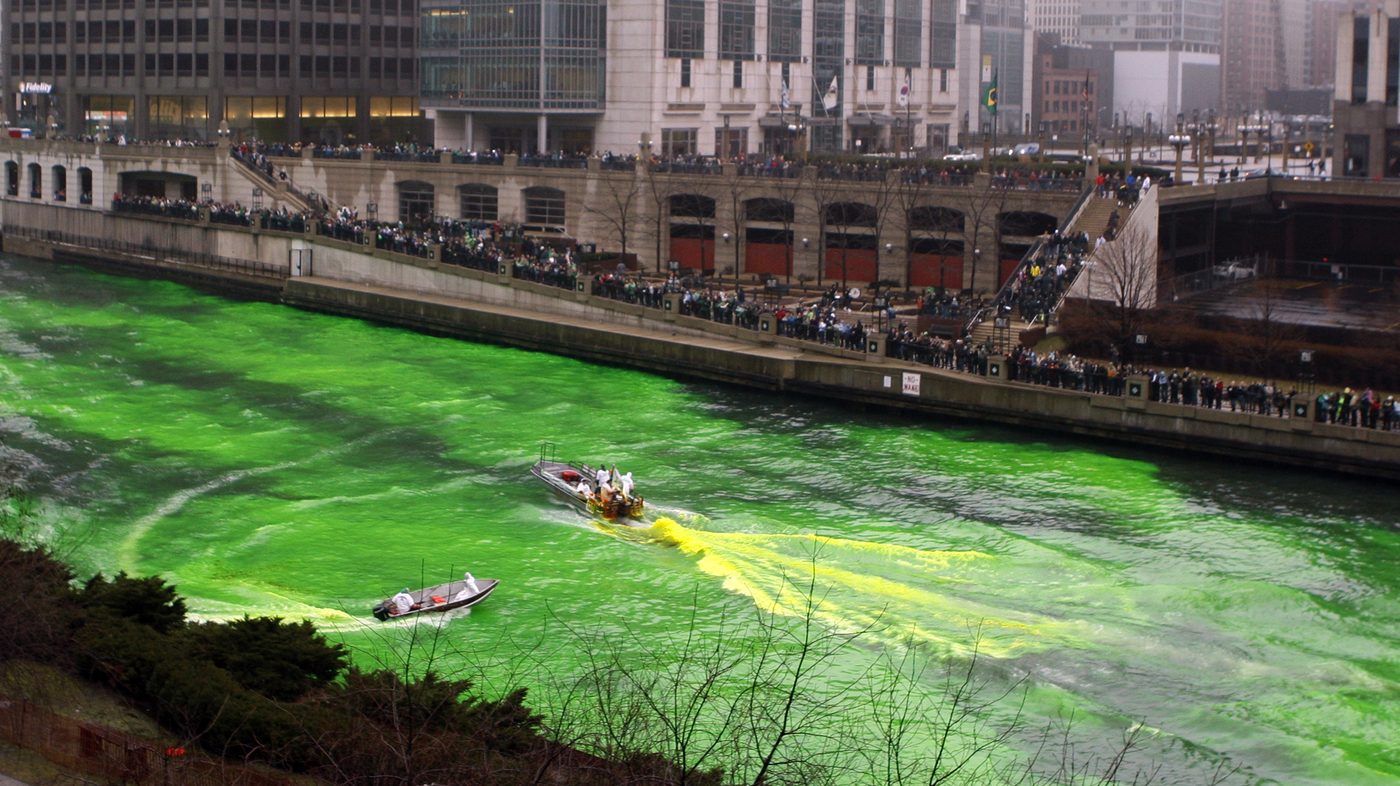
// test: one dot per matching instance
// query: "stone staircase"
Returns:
(1092, 221)
(282, 190)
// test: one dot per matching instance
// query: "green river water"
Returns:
(272, 461)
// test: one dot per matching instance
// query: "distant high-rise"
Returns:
(1056, 16)
(1166, 54)
(1252, 53)
(1320, 53)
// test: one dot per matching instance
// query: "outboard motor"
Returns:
(381, 612)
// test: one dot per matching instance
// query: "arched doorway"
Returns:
(693, 231)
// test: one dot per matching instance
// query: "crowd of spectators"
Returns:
(156, 206)
(950, 305)
(1035, 289)
(255, 157)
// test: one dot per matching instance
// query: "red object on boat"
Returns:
(569, 476)
(439, 599)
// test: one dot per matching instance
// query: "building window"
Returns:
(785, 30)
(36, 181)
(685, 72)
(736, 23)
(544, 205)
(731, 142)
(1392, 62)
(1360, 59)
(738, 80)
(479, 203)
(942, 80)
(415, 201)
(870, 32)
(678, 141)
(685, 28)
(908, 33)
(870, 77)
(943, 35)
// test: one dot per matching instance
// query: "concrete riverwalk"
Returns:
(312, 272)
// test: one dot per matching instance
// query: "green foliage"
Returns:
(35, 603)
(280, 660)
(148, 601)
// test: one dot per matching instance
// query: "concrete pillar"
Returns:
(874, 346)
(1300, 412)
(1136, 391)
(469, 121)
(996, 368)
(670, 306)
(542, 135)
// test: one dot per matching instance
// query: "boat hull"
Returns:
(455, 595)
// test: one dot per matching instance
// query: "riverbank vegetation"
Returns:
(768, 702)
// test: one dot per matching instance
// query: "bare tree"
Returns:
(982, 202)
(1266, 337)
(617, 204)
(1123, 288)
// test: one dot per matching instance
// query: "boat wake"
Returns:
(893, 594)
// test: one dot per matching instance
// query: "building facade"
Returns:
(726, 77)
(1366, 97)
(1061, 17)
(1252, 53)
(1166, 54)
(327, 71)
(997, 44)
(1072, 89)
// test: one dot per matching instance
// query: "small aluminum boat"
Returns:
(443, 597)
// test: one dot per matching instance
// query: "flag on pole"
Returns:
(787, 99)
(989, 95)
(829, 101)
(904, 92)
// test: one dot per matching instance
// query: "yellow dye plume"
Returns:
(834, 578)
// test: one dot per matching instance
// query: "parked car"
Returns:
(962, 156)
(1026, 149)
(1233, 271)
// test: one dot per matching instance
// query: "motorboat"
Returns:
(460, 594)
(563, 479)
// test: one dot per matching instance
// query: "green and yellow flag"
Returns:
(989, 95)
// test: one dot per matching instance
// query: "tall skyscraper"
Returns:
(1166, 54)
(326, 71)
(1320, 53)
(1056, 16)
(712, 77)
(1252, 53)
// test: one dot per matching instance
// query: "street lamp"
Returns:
(1179, 140)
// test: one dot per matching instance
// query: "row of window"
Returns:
(1068, 106)
(404, 7)
(1069, 87)
(60, 182)
(321, 66)
(187, 30)
(197, 64)
(685, 31)
(270, 31)
(478, 202)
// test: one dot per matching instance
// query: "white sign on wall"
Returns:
(911, 384)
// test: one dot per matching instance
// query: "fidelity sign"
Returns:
(40, 88)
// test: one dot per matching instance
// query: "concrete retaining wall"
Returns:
(778, 368)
